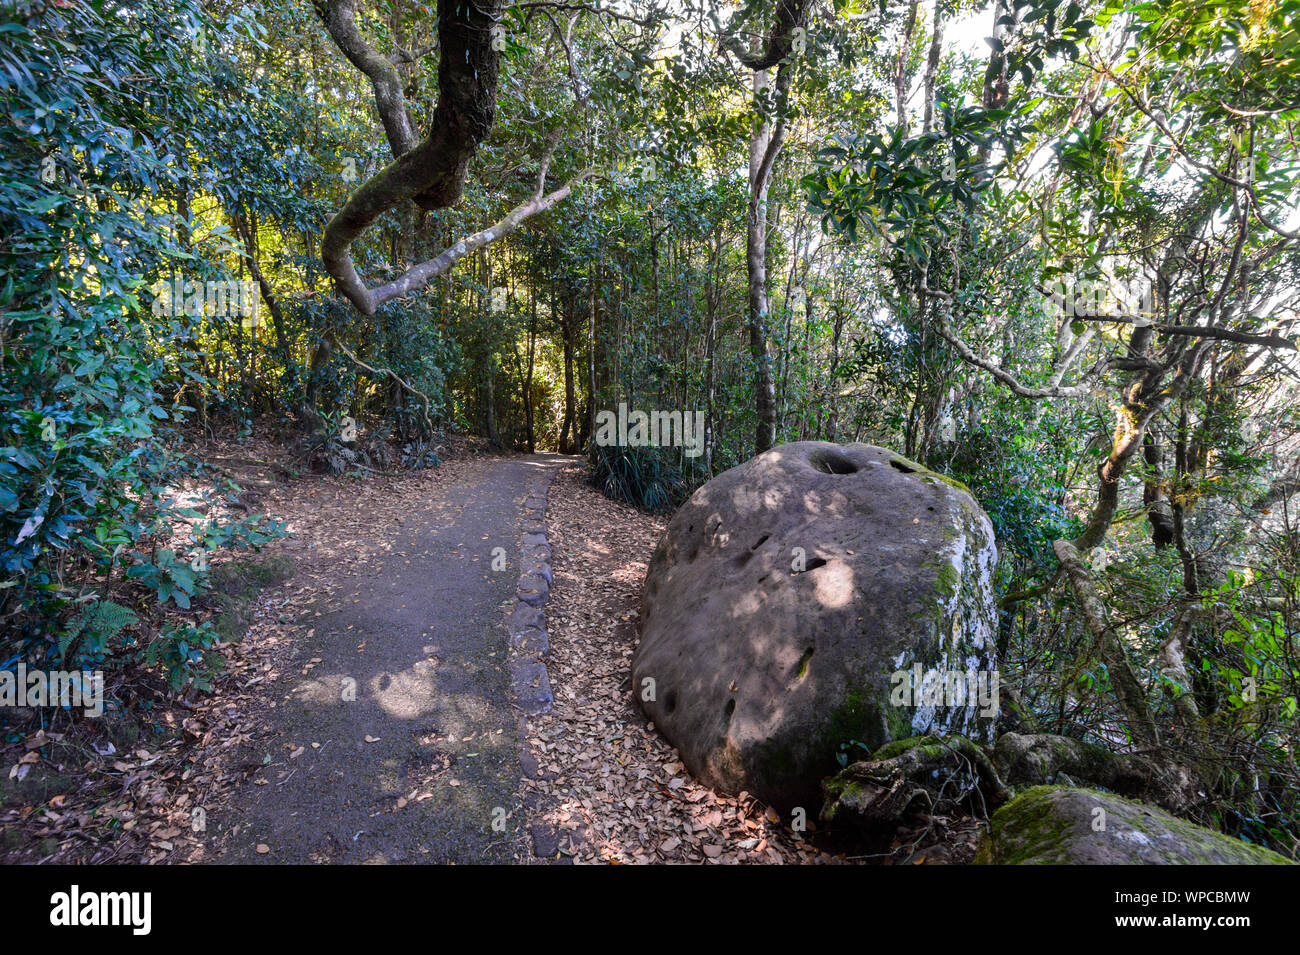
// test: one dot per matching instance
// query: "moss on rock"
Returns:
(924, 472)
(235, 586)
(1049, 825)
(900, 746)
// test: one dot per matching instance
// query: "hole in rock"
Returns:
(898, 465)
(670, 701)
(760, 542)
(801, 670)
(729, 708)
(814, 563)
(832, 462)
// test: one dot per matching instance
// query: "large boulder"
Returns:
(1048, 825)
(785, 594)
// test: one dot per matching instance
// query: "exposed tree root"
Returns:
(876, 794)
(929, 773)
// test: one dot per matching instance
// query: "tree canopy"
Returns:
(1048, 247)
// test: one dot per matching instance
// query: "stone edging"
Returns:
(526, 624)
(528, 649)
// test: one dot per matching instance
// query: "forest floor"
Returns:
(608, 787)
(386, 580)
(387, 585)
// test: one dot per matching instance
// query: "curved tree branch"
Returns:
(789, 15)
(420, 275)
(368, 300)
(969, 356)
(431, 173)
(340, 20)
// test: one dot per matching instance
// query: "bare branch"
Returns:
(585, 8)
(367, 301)
(340, 20)
(1201, 331)
(387, 372)
(969, 356)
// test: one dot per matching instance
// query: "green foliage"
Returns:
(183, 652)
(900, 186)
(1258, 668)
(79, 406)
(87, 639)
(170, 577)
(86, 471)
(152, 141)
(853, 748)
(642, 477)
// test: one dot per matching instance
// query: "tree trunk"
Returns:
(712, 300)
(591, 358)
(763, 148)
(568, 430)
(528, 382)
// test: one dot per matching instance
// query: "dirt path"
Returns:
(423, 764)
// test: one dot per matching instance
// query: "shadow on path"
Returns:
(423, 642)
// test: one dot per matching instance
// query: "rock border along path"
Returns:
(526, 622)
(529, 648)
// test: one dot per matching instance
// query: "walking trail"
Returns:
(423, 765)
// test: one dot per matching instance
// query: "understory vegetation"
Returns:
(1049, 248)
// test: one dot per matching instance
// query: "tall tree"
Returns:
(785, 40)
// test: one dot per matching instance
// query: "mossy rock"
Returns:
(911, 467)
(900, 746)
(234, 587)
(1050, 825)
